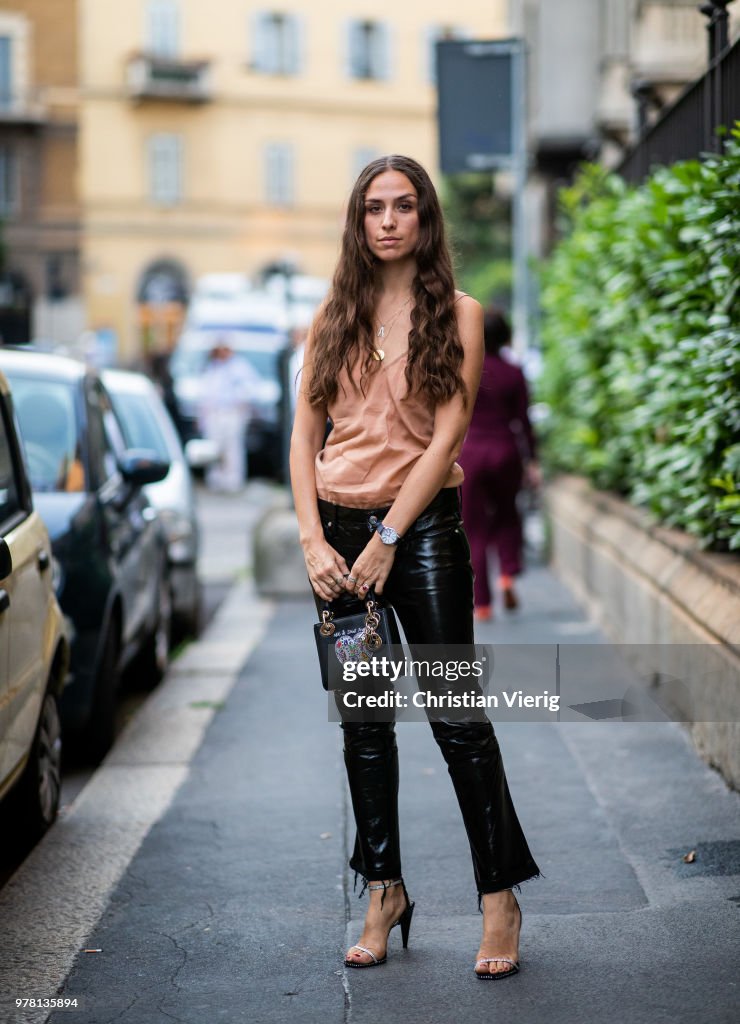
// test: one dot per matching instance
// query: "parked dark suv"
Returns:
(106, 538)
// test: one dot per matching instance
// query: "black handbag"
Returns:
(353, 635)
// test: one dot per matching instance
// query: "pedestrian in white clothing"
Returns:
(227, 386)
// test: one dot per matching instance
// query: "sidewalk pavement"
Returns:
(239, 904)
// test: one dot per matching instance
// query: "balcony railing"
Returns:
(22, 109)
(152, 77)
(689, 127)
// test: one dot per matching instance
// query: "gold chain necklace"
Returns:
(385, 329)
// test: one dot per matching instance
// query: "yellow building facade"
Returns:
(39, 213)
(226, 136)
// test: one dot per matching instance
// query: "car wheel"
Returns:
(155, 654)
(188, 625)
(38, 791)
(99, 733)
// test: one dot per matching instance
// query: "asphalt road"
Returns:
(226, 523)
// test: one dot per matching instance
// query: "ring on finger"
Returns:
(365, 586)
(352, 579)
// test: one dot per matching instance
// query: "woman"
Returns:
(394, 360)
(500, 442)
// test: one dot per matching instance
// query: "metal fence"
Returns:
(689, 127)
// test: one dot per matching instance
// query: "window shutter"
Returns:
(353, 49)
(361, 157)
(279, 184)
(8, 181)
(163, 28)
(261, 39)
(296, 44)
(6, 70)
(430, 35)
(165, 169)
(382, 56)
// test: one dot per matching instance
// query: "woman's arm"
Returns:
(324, 565)
(532, 473)
(432, 468)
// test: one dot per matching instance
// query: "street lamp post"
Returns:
(717, 26)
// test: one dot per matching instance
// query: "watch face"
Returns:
(388, 535)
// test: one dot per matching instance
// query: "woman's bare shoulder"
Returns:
(467, 309)
(465, 301)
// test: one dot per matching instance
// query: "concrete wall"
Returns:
(677, 608)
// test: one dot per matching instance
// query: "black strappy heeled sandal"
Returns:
(404, 921)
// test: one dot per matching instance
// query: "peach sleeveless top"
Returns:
(375, 440)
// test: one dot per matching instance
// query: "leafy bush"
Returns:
(641, 339)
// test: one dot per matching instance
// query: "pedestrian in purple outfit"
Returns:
(499, 453)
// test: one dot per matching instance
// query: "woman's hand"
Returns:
(372, 568)
(327, 570)
(533, 475)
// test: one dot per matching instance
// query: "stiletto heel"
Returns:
(404, 921)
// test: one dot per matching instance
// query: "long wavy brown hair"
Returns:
(344, 326)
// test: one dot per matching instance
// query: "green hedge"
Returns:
(641, 340)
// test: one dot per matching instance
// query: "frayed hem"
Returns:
(513, 886)
(396, 879)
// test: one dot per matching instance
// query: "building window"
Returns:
(165, 169)
(276, 43)
(8, 182)
(6, 71)
(368, 50)
(163, 28)
(361, 157)
(279, 185)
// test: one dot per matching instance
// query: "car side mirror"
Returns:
(140, 466)
(6, 560)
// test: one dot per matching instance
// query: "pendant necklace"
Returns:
(385, 329)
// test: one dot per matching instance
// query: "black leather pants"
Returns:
(431, 590)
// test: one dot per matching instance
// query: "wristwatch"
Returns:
(387, 534)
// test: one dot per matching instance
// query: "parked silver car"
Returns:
(147, 424)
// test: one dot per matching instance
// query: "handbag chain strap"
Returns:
(372, 620)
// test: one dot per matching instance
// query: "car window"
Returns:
(105, 440)
(49, 432)
(139, 423)
(10, 500)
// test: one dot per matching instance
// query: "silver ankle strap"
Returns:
(384, 885)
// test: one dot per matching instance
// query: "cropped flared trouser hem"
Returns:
(431, 589)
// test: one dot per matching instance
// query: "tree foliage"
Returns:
(641, 339)
(479, 228)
